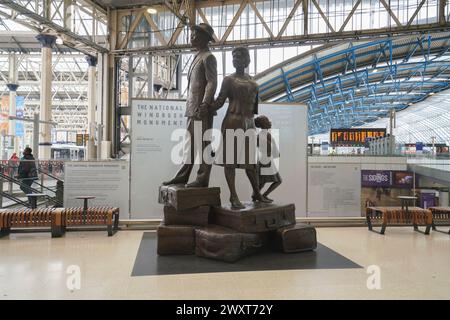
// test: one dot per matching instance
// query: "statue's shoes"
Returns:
(236, 204)
(261, 199)
(197, 184)
(174, 181)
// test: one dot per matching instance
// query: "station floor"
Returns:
(411, 266)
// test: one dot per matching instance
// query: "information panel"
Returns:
(334, 190)
(107, 181)
(154, 121)
(354, 136)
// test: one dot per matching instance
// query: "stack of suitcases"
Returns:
(196, 223)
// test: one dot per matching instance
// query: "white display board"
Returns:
(334, 190)
(107, 181)
(153, 122)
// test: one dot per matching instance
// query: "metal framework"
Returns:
(272, 23)
(349, 85)
(426, 121)
(80, 24)
(69, 92)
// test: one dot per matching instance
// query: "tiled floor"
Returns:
(412, 265)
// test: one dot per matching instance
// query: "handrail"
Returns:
(20, 183)
(48, 174)
(18, 180)
(15, 199)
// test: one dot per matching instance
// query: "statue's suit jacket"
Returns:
(202, 82)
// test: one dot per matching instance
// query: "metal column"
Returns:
(12, 86)
(92, 88)
(47, 43)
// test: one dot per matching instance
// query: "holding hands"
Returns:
(203, 110)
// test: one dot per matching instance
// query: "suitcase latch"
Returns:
(271, 223)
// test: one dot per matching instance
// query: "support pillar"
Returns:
(12, 112)
(109, 86)
(92, 90)
(109, 133)
(101, 98)
(150, 82)
(442, 12)
(45, 136)
(12, 86)
(305, 17)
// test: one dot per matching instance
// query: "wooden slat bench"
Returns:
(441, 217)
(108, 216)
(58, 219)
(397, 216)
(51, 218)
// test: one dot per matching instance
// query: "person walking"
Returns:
(13, 164)
(27, 171)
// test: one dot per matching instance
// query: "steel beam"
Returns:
(47, 24)
(310, 39)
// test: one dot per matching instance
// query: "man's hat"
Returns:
(205, 28)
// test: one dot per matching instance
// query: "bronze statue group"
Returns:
(242, 94)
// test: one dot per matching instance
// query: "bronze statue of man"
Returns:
(202, 84)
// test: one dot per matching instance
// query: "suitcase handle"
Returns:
(162, 197)
(271, 224)
(245, 246)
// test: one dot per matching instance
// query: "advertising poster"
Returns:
(427, 200)
(419, 146)
(20, 109)
(403, 179)
(4, 113)
(382, 188)
(334, 190)
(107, 181)
(154, 122)
(376, 178)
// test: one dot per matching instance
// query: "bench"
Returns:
(58, 219)
(51, 218)
(399, 216)
(441, 217)
(108, 216)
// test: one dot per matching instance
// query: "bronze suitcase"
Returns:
(175, 239)
(224, 244)
(195, 217)
(182, 198)
(256, 217)
(297, 238)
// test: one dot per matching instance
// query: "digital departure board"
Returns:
(354, 136)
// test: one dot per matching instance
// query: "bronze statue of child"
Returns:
(267, 172)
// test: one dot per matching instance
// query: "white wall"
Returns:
(334, 182)
(151, 162)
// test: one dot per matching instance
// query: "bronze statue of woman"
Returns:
(242, 93)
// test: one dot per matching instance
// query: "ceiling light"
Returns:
(431, 93)
(151, 10)
(374, 70)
